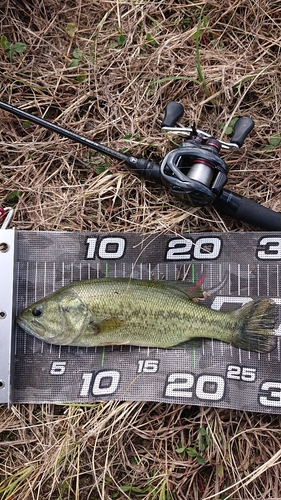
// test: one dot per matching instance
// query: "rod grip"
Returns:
(245, 210)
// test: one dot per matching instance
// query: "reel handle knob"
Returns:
(242, 128)
(174, 110)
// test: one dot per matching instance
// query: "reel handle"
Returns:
(173, 112)
(242, 128)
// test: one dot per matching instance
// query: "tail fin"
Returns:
(257, 321)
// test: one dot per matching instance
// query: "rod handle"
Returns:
(245, 210)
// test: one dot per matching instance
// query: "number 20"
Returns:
(184, 249)
(179, 385)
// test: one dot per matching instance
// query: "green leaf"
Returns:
(11, 53)
(231, 123)
(121, 40)
(135, 137)
(74, 63)
(77, 54)
(230, 127)
(71, 29)
(275, 140)
(100, 169)
(126, 487)
(192, 452)
(132, 489)
(205, 21)
(19, 47)
(228, 130)
(82, 78)
(11, 48)
(13, 195)
(149, 40)
(77, 58)
(180, 450)
(220, 471)
(202, 446)
(4, 43)
(26, 124)
(200, 460)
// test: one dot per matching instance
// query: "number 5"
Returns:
(58, 368)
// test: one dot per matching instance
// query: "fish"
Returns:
(105, 311)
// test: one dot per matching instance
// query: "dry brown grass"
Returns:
(135, 56)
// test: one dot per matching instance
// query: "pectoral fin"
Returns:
(99, 332)
(104, 326)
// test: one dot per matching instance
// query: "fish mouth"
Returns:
(34, 328)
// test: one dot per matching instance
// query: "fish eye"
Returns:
(37, 312)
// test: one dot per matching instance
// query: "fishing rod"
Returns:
(194, 171)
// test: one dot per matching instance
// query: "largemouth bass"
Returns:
(144, 313)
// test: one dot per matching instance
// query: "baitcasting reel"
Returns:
(193, 171)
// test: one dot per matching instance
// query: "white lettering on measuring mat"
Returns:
(204, 248)
(110, 247)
